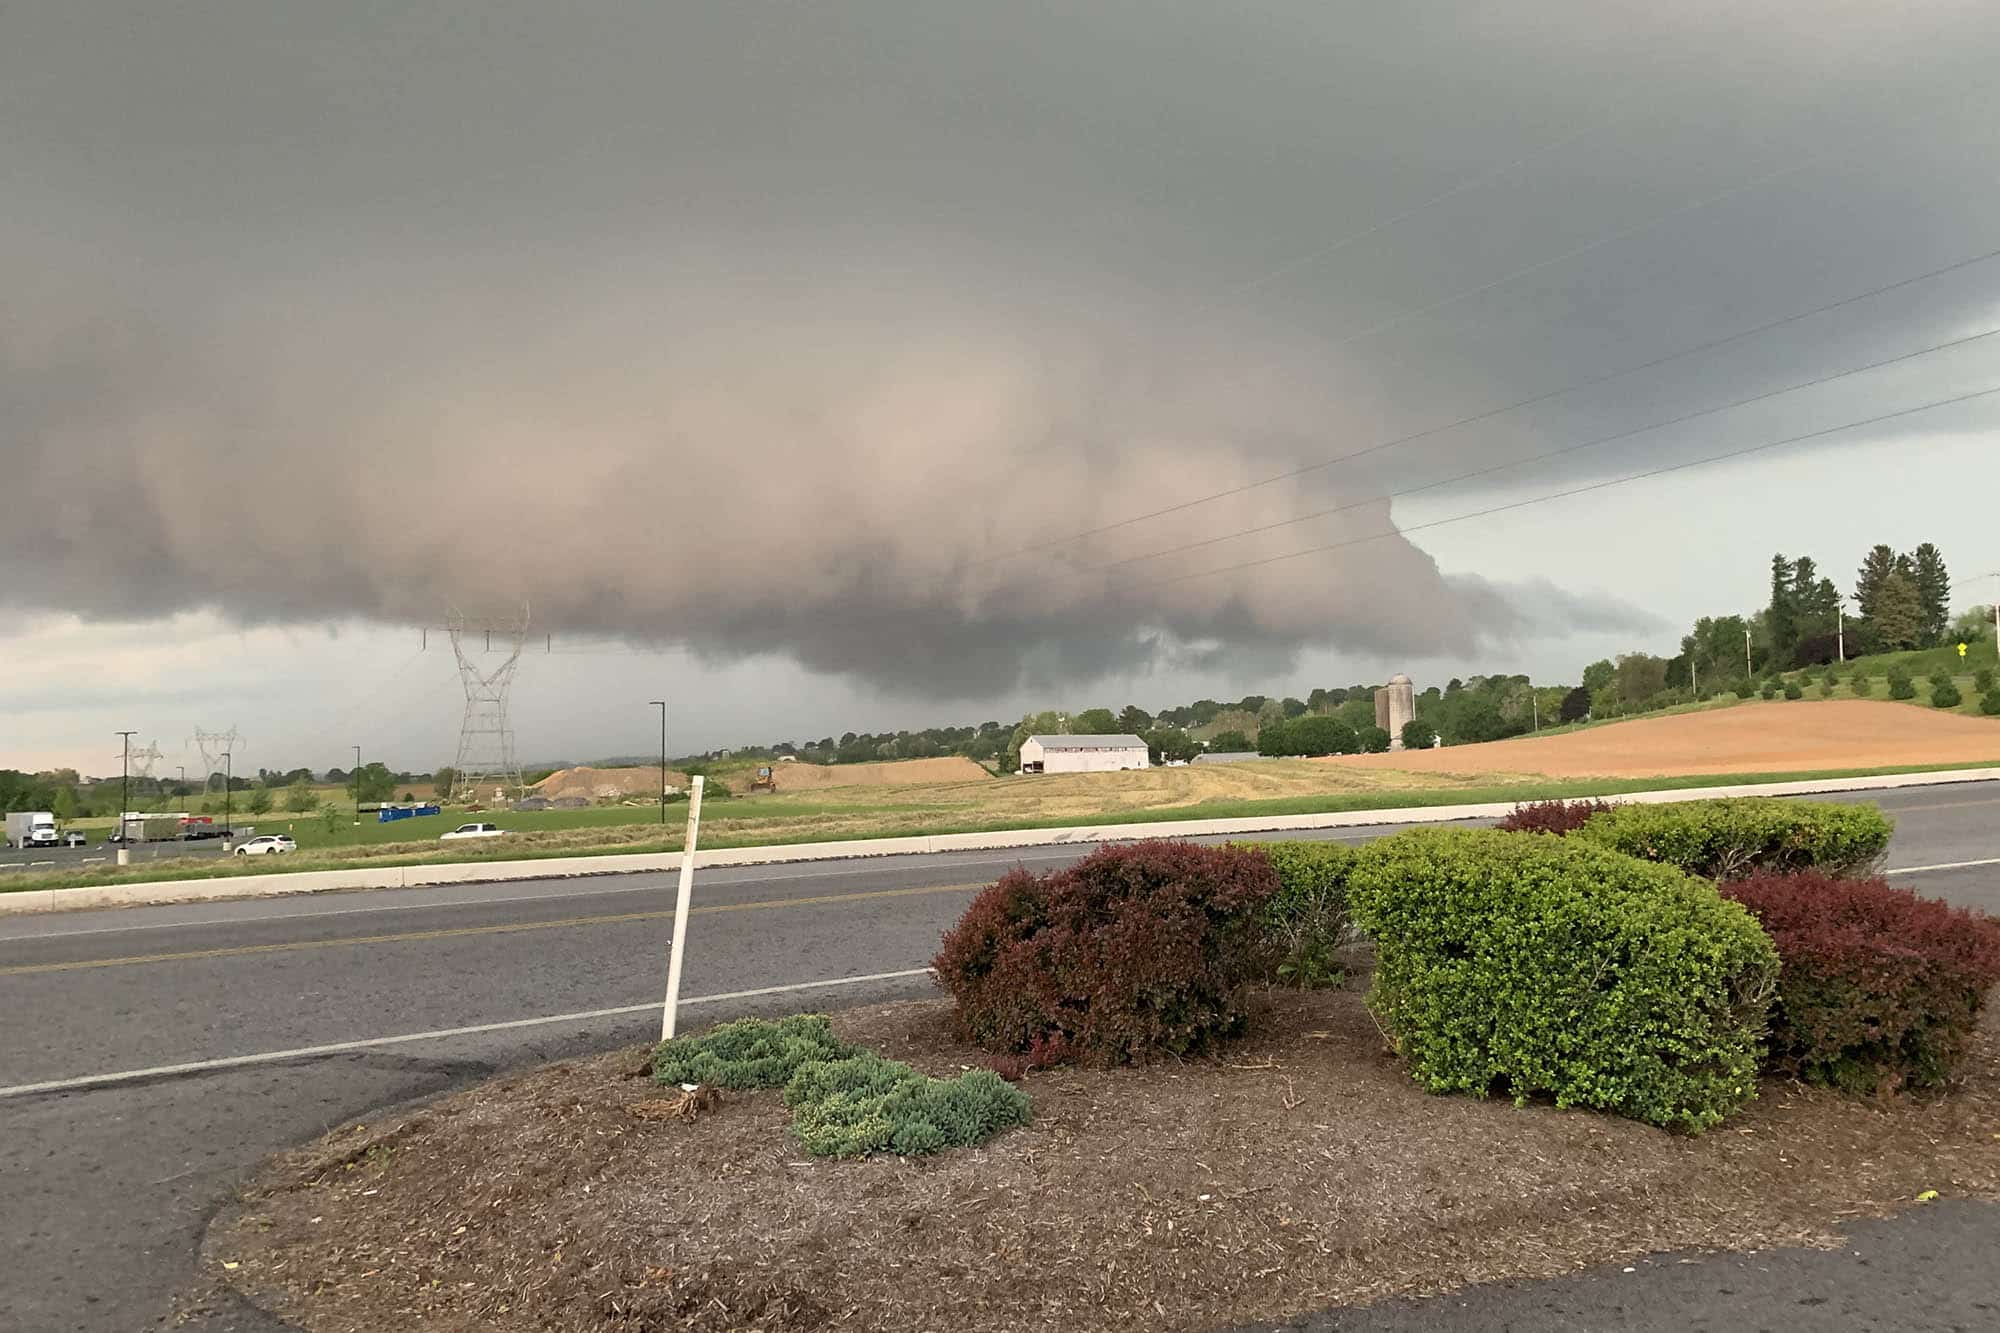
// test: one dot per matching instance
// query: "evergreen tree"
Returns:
(1782, 619)
(1933, 594)
(1879, 565)
(1899, 614)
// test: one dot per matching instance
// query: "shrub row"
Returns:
(1726, 838)
(845, 1101)
(1878, 989)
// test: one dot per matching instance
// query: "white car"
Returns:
(266, 845)
(472, 831)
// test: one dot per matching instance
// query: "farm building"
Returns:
(1082, 754)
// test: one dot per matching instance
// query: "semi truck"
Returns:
(31, 828)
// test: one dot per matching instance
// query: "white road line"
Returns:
(580, 891)
(370, 1043)
(1949, 865)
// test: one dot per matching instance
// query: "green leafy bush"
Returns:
(866, 1104)
(1860, 683)
(1373, 739)
(1307, 919)
(1769, 691)
(1418, 735)
(1983, 680)
(1900, 684)
(1726, 838)
(750, 1053)
(1989, 703)
(1745, 689)
(1547, 965)
(1878, 989)
(1946, 695)
(1792, 690)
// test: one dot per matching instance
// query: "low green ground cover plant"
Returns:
(867, 1104)
(1878, 989)
(1989, 703)
(846, 1101)
(1135, 951)
(1550, 966)
(1725, 838)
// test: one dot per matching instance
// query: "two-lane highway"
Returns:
(151, 1056)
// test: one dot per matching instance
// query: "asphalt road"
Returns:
(96, 852)
(105, 1189)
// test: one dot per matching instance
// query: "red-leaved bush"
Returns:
(1878, 989)
(1557, 817)
(1132, 951)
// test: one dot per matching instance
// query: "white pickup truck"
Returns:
(31, 828)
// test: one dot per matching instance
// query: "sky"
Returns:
(863, 366)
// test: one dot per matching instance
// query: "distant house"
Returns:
(1227, 757)
(1082, 754)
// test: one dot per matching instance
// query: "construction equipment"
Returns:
(764, 781)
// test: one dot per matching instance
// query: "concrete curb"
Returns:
(156, 892)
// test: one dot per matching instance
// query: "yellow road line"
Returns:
(511, 928)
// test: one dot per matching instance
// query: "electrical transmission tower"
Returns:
(488, 653)
(212, 746)
(142, 761)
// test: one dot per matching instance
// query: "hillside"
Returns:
(1756, 737)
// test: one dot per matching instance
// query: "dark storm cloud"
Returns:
(783, 328)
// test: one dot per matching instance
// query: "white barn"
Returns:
(1082, 754)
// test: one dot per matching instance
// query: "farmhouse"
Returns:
(1082, 754)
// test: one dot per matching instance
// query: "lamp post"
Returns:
(357, 786)
(228, 817)
(125, 799)
(661, 704)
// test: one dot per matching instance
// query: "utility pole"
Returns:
(228, 816)
(1749, 672)
(1840, 634)
(184, 787)
(661, 704)
(125, 799)
(357, 786)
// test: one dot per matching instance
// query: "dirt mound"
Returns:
(1795, 736)
(606, 784)
(811, 777)
(1301, 1168)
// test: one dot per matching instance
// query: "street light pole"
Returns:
(228, 807)
(357, 786)
(661, 704)
(184, 788)
(1749, 672)
(125, 798)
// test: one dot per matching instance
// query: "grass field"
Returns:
(781, 820)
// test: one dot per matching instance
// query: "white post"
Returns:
(681, 915)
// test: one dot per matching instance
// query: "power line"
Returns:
(1573, 491)
(1544, 457)
(1707, 345)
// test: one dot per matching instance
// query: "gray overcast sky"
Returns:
(764, 337)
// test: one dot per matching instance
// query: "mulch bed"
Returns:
(1302, 1169)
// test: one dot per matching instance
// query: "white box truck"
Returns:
(31, 828)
